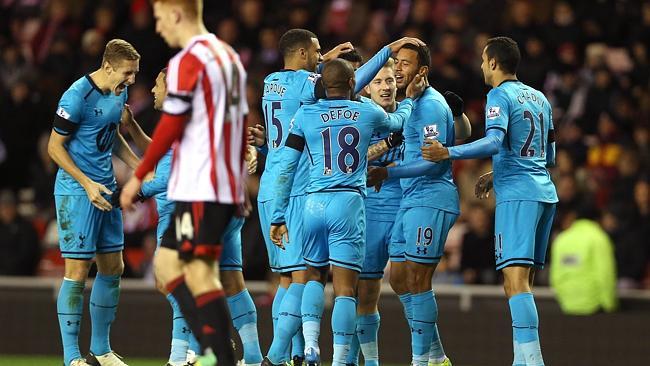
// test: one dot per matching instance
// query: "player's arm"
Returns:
(124, 152)
(160, 179)
(140, 138)
(377, 150)
(257, 137)
(462, 125)
(550, 144)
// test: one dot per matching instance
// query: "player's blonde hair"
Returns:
(193, 8)
(118, 50)
(390, 63)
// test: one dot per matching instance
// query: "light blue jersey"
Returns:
(431, 119)
(524, 115)
(157, 187)
(91, 119)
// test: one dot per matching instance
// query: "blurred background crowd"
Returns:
(589, 57)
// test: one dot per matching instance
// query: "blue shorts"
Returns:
(334, 232)
(85, 230)
(378, 235)
(231, 257)
(265, 210)
(397, 244)
(424, 230)
(164, 219)
(522, 230)
(291, 258)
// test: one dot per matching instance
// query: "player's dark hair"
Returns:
(352, 56)
(336, 74)
(424, 54)
(506, 53)
(294, 39)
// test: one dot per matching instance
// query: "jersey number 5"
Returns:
(347, 148)
(527, 150)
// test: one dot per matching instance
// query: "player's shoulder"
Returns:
(81, 87)
(432, 102)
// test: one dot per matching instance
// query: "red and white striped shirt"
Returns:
(207, 81)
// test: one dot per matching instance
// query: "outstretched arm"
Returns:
(140, 138)
(482, 148)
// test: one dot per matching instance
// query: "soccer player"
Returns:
(336, 133)
(422, 223)
(520, 139)
(89, 221)
(284, 92)
(240, 303)
(204, 113)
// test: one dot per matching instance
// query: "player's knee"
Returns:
(398, 283)
(112, 268)
(232, 282)
(77, 270)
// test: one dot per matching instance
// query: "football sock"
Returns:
(298, 340)
(275, 307)
(104, 297)
(289, 320)
(178, 288)
(353, 354)
(525, 322)
(518, 359)
(425, 315)
(344, 317)
(367, 329)
(180, 332)
(436, 353)
(69, 308)
(244, 319)
(406, 303)
(313, 301)
(195, 345)
(213, 314)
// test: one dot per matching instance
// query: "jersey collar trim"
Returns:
(506, 81)
(92, 83)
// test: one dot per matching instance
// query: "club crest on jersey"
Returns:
(313, 77)
(62, 113)
(431, 131)
(493, 112)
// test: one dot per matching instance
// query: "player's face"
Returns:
(314, 56)
(123, 75)
(166, 18)
(406, 67)
(382, 88)
(159, 92)
(485, 68)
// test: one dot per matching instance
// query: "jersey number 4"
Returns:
(348, 140)
(527, 150)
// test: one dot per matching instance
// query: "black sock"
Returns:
(213, 314)
(178, 288)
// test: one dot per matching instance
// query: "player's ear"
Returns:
(424, 71)
(493, 64)
(303, 53)
(367, 89)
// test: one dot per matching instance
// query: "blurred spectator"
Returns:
(19, 247)
(477, 260)
(583, 269)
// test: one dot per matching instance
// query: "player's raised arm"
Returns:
(124, 152)
(395, 121)
(140, 138)
(462, 125)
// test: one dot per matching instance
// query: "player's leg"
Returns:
(426, 232)
(242, 308)
(344, 313)
(517, 230)
(398, 270)
(76, 224)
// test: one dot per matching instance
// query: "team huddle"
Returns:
(358, 173)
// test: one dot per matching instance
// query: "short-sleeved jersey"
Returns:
(157, 187)
(284, 92)
(207, 81)
(391, 191)
(431, 119)
(524, 115)
(337, 133)
(90, 118)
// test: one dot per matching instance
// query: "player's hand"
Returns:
(251, 159)
(256, 135)
(396, 45)
(455, 102)
(376, 176)
(337, 51)
(483, 186)
(127, 119)
(434, 151)
(416, 86)
(244, 209)
(94, 191)
(130, 193)
(278, 233)
(394, 139)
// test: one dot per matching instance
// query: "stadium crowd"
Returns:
(589, 57)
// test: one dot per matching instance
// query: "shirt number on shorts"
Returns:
(425, 236)
(348, 140)
(184, 227)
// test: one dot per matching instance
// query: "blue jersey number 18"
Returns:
(347, 148)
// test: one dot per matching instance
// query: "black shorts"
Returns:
(196, 229)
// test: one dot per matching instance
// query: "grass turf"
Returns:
(22, 360)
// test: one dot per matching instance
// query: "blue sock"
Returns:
(525, 322)
(518, 359)
(275, 307)
(313, 301)
(180, 332)
(408, 310)
(195, 345)
(244, 319)
(367, 329)
(289, 319)
(436, 353)
(103, 305)
(425, 315)
(298, 341)
(355, 346)
(344, 323)
(69, 307)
